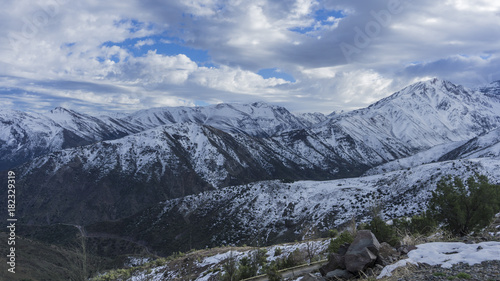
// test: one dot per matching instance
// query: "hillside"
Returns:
(206, 148)
(273, 211)
(173, 179)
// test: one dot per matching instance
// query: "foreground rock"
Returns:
(363, 255)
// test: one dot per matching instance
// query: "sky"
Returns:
(307, 55)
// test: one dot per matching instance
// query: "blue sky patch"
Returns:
(277, 73)
(320, 16)
(163, 45)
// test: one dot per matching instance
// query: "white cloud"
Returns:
(59, 47)
(147, 42)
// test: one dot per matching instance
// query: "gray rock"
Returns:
(362, 252)
(405, 249)
(339, 274)
(364, 239)
(387, 250)
(343, 249)
(382, 261)
(335, 261)
(359, 260)
(386, 254)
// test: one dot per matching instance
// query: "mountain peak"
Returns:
(433, 89)
(60, 109)
(260, 104)
(437, 83)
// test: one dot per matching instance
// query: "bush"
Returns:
(247, 268)
(344, 237)
(464, 275)
(332, 233)
(422, 224)
(230, 268)
(259, 257)
(273, 274)
(463, 208)
(293, 259)
(383, 232)
(278, 251)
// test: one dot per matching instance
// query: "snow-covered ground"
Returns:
(263, 208)
(209, 267)
(447, 254)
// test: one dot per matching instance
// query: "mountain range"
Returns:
(219, 173)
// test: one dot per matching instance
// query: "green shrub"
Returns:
(247, 268)
(260, 257)
(344, 237)
(332, 233)
(419, 224)
(294, 258)
(463, 208)
(278, 251)
(273, 274)
(464, 275)
(383, 232)
(230, 268)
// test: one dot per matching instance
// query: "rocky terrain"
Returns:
(174, 179)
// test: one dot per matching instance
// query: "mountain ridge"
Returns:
(183, 151)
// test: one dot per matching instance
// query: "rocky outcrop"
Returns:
(363, 252)
(362, 255)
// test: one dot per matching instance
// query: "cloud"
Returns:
(146, 42)
(341, 54)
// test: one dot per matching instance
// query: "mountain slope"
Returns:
(28, 135)
(487, 145)
(414, 119)
(257, 119)
(114, 179)
(25, 136)
(493, 89)
(176, 160)
(272, 211)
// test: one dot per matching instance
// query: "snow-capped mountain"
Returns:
(206, 148)
(412, 120)
(258, 119)
(169, 161)
(274, 211)
(312, 118)
(417, 118)
(24, 136)
(28, 135)
(493, 89)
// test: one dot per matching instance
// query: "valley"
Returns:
(166, 180)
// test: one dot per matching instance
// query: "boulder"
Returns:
(387, 250)
(359, 260)
(362, 252)
(387, 254)
(343, 249)
(405, 249)
(339, 274)
(364, 239)
(335, 261)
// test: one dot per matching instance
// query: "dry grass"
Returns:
(44, 262)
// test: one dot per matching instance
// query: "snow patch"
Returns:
(446, 254)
